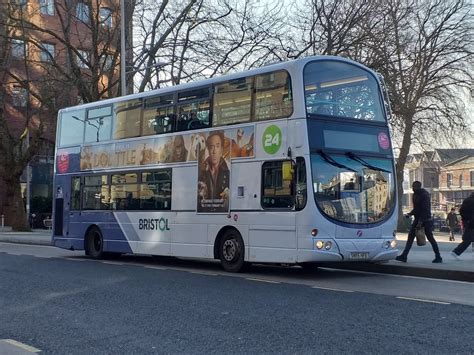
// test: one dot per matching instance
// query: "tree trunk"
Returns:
(15, 215)
(402, 158)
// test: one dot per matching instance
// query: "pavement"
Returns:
(419, 259)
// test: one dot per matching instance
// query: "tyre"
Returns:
(232, 252)
(95, 243)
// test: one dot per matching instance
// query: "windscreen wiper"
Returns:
(358, 159)
(330, 160)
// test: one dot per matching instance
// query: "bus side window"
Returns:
(301, 185)
(158, 115)
(194, 108)
(75, 193)
(278, 185)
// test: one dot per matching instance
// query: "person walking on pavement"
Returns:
(452, 222)
(422, 213)
(467, 216)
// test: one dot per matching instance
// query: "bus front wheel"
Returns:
(232, 252)
(95, 243)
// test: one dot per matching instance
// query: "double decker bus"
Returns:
(289, 163)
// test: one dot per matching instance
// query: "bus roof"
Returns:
(284, 65)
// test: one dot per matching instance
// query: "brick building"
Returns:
(456, 181)
(64, 51)
(433, 169)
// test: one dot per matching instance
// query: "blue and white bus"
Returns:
(289, 163)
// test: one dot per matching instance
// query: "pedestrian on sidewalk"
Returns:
(452, 222)
(467, 217)
(422, 213)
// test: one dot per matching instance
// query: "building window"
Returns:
(82, 12)
(82, 59)
(47, 7)
(107, 62)
(47, 52)
(105, 16)
(449, 179)
(20, 96)
(472, 178)
(460, 180)
(18, 48)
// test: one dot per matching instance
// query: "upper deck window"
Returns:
(273, 97)
(71, 130)
(341, 90)
(127, 119)
(98, 124)
(193, 109)
(158, 115)
(233, 102)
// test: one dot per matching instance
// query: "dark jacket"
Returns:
(467, 212)
(452, 219)
(421, 205)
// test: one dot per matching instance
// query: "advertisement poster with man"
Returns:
(214, 173)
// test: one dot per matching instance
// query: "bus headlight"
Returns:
(319, 244)
(328, 245)
(393, 243)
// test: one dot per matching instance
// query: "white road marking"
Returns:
(151, 267)
(401, 276)
(29, 245)
(421, 300)
(17, 344)
(112, 263)
(76, 259)
(332, 289)
(202, 273)
(262, 280)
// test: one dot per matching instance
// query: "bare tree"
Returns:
(328, 27)
(424, 49)
(202, 38)
(75, 57)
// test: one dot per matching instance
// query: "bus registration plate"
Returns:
(359, 255)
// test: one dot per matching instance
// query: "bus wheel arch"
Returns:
(229, 247)
(94, 242)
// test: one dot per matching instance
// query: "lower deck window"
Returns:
(277, 185)
(95, 193)
(128, 191)
(124, 192)
(155, 190)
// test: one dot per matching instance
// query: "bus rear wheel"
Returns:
(95, 243)
(232, 252)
